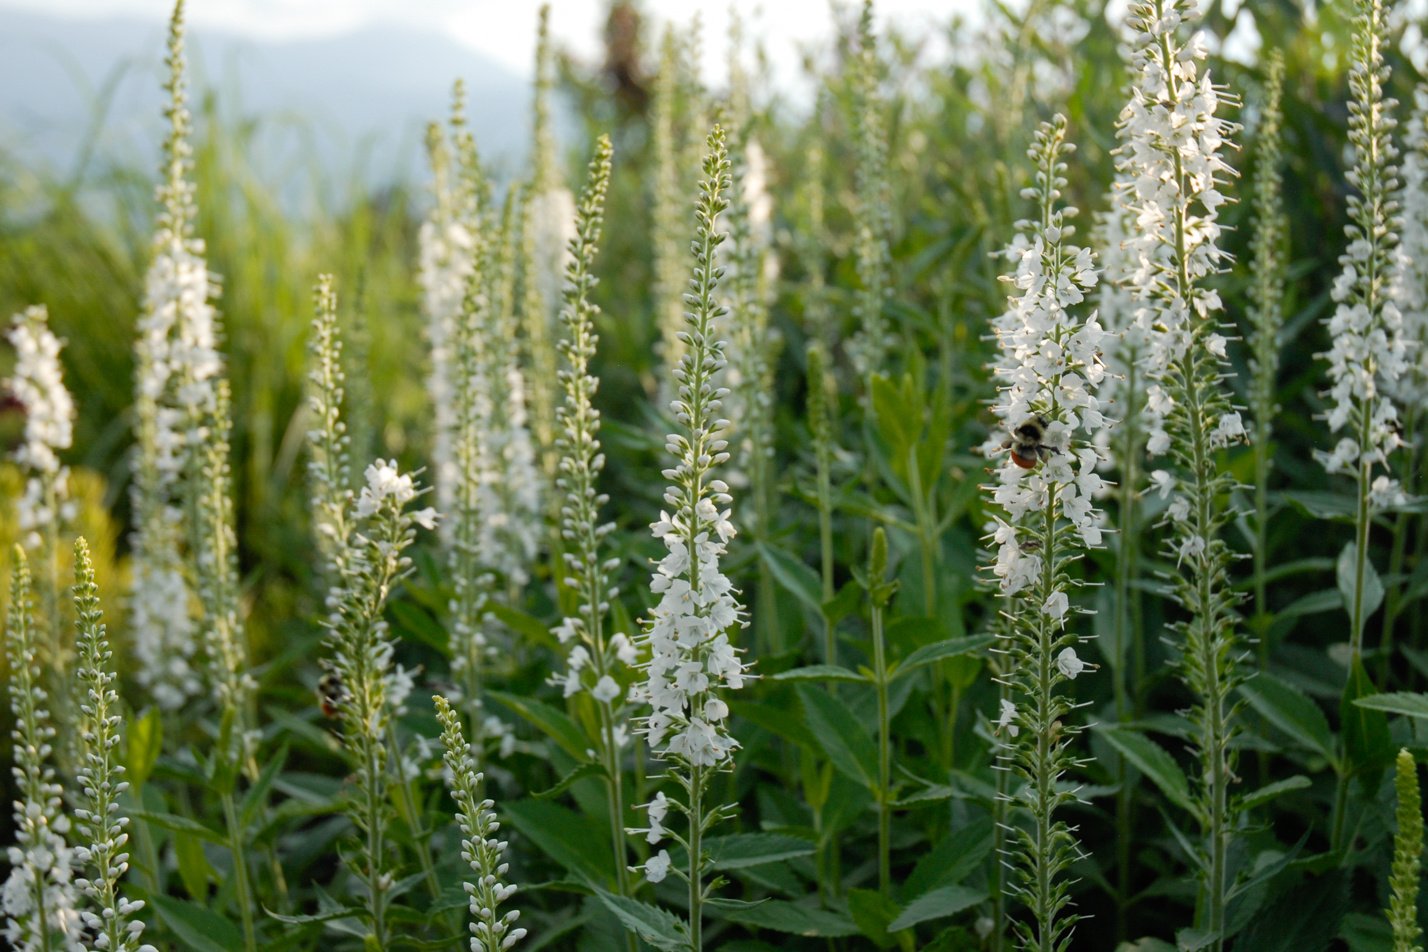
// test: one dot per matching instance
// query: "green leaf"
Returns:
(1406, 703)
(552, 722)
(416, 622)
(590, 768)
(777, 720)
(843, 738)
(1152, 760)
(144, 740)
(950, 648)
(938, 903)
(1312, 604)
(198, 927)
(1304, 919)
(1193, 940)
(1270, 791)
(572, 840)
(872, 912)
(781, 915)
(1292, 711)
(255, 799)
(1367, 745)
(897, 423)
(741, 850)
(818, 672)
(848, 600)
(1340, 507)
(194, 868)
(656, 926)
(522, 624)
(180, 824)
(346, 912)
(1373, 586)
(794, 575)
(952, 860)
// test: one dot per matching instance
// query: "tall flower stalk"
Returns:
(753, 344)
(445, 243)
(1266, 319)
(1048, 372)
(872, 212)
(491, 931)
(328, 455)
(545, 237)
(1405, 878)
(215, 553)
(100, 780)
(691, 657)
(39, 894)
(371, 563)
(880, 593)
(178, 366)
(1412, 388)
(820, 425)
(669, 106)
(596, 655)
(1369, 354)
(44, 505)
(1123, 394)
(1171, 169)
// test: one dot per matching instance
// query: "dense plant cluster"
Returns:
(804, 530)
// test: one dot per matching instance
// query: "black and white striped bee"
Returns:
(331, 693)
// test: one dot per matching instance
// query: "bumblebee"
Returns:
(331, 693)
(1027, 442)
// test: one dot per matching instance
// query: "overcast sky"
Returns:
(505, 29)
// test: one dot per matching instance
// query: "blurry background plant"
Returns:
(958, 115)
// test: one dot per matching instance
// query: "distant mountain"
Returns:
(90, 91)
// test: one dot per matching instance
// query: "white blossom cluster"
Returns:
(445, 246)
(371, 563)
(552, 222)
(509, 473)
(38, 384)
(1049, 371)
(178, 368)
(594, 655)
(1412, 295)
(1369, 352)
(1170, 169)
(39, 896)
(749, 275)
(491, 930)
(1117, 307)
(116, 925)
(687, 632)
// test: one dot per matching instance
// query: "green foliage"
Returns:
(915, 184)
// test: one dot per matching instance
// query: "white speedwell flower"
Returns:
(1049, 371)
(38, 384)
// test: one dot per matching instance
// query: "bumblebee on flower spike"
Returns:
(1027, 442)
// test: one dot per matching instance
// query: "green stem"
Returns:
(407, 802)
(237, 847)
(696, 858)
(1214, 740)
(615, 783)
(1392, 602)
(999, 821)
(825, 547)
(1126, 631)
(880, 675)
(376, 880)
(1045, 780)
